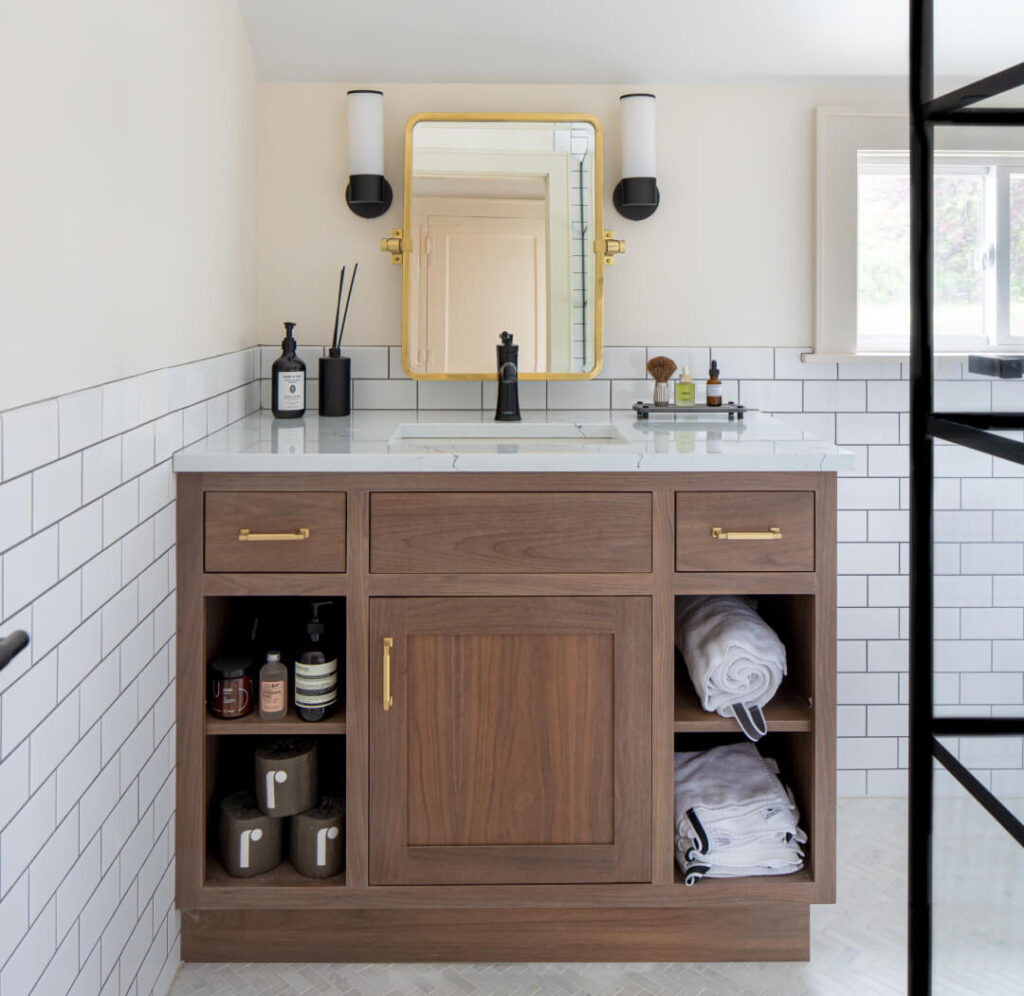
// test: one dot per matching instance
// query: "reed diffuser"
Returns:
(335, 369)
(661, 369)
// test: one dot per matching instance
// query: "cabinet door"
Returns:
(516, 748)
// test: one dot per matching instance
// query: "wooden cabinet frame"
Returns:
(661, 919)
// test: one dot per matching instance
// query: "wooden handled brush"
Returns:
(661, 368)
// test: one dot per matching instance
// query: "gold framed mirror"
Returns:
(503, 230)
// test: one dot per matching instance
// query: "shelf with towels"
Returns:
(759, 887)
(788, 712)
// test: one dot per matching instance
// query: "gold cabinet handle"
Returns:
(774, 533)
(388, 700)
(248, 534)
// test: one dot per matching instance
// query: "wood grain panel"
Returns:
(621, 891)
(191, 768)
(399, 807)
(745, 511)
(510, 739)
(560, 533)
(737, 931)
(321, 512)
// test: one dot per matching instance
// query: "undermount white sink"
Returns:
(449, 435)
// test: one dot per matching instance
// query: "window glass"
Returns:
(959, 221)
(883, 254)
(1017, 253)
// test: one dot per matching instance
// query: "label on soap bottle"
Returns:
(291, 390)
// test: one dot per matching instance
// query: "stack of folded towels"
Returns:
(733, 815)
(735, 660)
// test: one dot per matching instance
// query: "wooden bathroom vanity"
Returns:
(512, 700)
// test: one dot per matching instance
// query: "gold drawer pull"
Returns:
(247, 534)
(773, 534)
(388, 700)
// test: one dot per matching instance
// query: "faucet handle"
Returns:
(506, 338)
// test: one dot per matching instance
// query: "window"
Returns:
(864, 238)
(978, 268)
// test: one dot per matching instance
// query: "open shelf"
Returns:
(283, 876)
(788, 711)
(289, 725)
(781, 887)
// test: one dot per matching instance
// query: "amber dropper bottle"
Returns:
(714, 395)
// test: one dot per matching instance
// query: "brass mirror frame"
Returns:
(597, 244)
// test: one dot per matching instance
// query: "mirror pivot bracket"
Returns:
(610, 247)
(395, 245)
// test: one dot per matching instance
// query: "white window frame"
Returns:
(842, 133)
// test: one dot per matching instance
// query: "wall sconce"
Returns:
(636, 195)
(368, 193)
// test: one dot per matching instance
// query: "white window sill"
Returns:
(887, 357)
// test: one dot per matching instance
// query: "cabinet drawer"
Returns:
(275, 531)
(492, 533)
(753, 515)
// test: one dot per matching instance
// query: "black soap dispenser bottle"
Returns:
(288, 380)
(316, 674)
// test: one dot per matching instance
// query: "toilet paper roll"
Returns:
(251, 842)
(318, 839)
(286, 776)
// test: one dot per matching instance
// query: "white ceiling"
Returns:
(626, 41)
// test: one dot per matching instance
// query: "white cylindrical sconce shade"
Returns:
(636, 195)
(368, 193)
(639, 149)
(365, 132)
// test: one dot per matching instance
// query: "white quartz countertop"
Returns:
(471, 441)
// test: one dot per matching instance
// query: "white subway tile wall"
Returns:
(979, 556)
(87, 566)
(87, 711)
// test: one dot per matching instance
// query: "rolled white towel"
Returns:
(735, 660)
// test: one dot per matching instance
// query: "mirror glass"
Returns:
(500, 223)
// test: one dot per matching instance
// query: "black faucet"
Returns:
(508, 381)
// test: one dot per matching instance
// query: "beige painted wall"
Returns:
(728, 259)
(127, 189)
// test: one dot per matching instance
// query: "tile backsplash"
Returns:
(87, 711)
(863, 406)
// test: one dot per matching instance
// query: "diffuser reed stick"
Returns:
(351, 284)
(337, 311)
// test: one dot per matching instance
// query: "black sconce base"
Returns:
(367, 195)
(636, 197)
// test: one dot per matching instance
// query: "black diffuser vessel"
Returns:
(335, 383)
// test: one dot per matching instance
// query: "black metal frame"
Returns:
(973, 430)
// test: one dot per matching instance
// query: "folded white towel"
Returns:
(734, 816)
(736, 661)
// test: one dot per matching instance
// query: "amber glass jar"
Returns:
(231, 687)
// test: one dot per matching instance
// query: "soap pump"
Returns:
(316, 677)
(288, 382)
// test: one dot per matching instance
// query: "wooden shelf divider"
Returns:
(252, 725)
(283, 876)
(788, 712)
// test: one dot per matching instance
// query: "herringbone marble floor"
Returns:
(857, 946)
